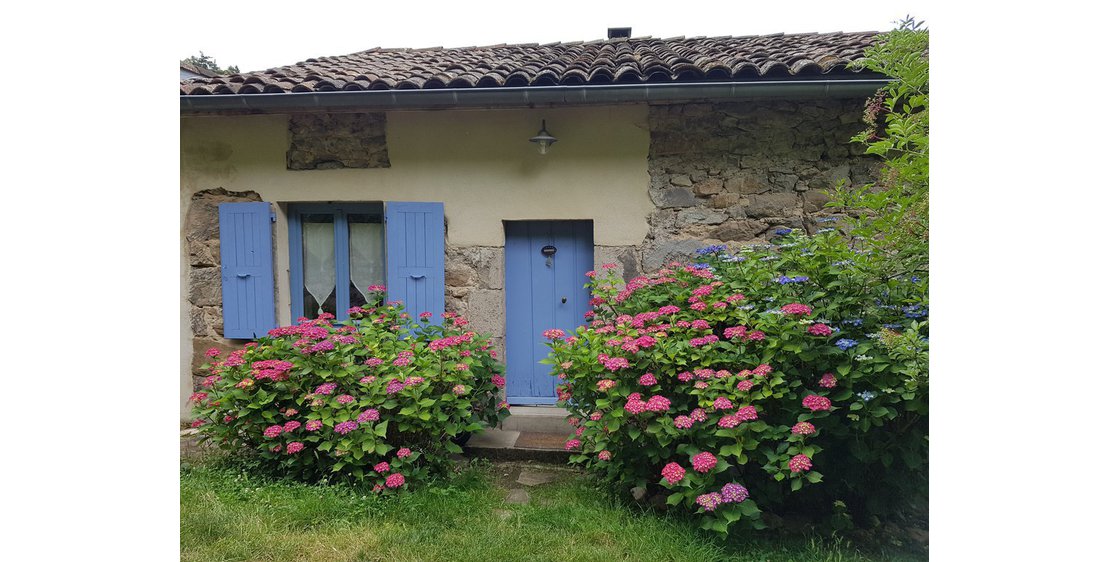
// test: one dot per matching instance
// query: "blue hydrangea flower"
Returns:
(828, 219)
(845, 344)
(711, 249)
(701, 266)
(892, 326)
(915, 311)
(857, 322)
(782, 231)
(842, 263)
(784, 280)
(866, 395)
(824, 230)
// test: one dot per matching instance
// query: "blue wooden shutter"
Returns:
(247, 269)
(415, 256)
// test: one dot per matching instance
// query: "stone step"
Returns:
(502, 444)
(538, 419)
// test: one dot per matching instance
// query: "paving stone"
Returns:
(518, 496)
(535, 477)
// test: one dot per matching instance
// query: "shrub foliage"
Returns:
(376, 398)
(730, 383)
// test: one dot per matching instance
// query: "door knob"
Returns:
(564, 300)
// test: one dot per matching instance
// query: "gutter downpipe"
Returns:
(528, 96)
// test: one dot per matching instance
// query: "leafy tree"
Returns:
(892, 215)
(208, 63)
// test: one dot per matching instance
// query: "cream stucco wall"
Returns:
(477, 162)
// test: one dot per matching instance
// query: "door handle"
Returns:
(414, 276)
(564, 300)
(242, 275)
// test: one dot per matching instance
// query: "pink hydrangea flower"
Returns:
(722, 403)
(704, 462)
(747, 413)
(553, 334)
(367, 379)
(395, 480)
(683, 422)
(313, 425)
(800, 463)
(212, 352)
(803, 428)
(198, 397)
(291, 425)
(459, 390)
(796, 308)
(604, 385)
(373, 362)
(674, 473)
(762, 370)
(394, 387)
(604, 456)
(669, 309)
(699, 306)
(196, 423)
(346, 427)
(735, 332)
(658, 404)
(595, 416)
(744, 385)
(345, 399)
(816, 403)
(828, 380)
(728, 421)
(635, 406)
(820, 330)
(498, 381)
(403, 452)
(572, 445)
(685, 376)
(616, 363)
(294, 447)
(381, 468)
(698, 415)
(326, 388)
(273, 431)
(369, 416)
(755, 335)
(701, 384)
(710, 501)
(402, 361)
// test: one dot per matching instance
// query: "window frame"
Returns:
(339, 211)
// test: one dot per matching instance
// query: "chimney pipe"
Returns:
(620, 32)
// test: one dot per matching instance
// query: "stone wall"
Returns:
(475, 279)
(202, 242)
(736, 172)
(323, 141)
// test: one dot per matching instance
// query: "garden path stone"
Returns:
(530, 477)
(502, 514)
(518, 496)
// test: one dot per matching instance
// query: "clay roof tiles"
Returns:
(624, 61)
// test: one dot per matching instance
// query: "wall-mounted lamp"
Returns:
(543, 138)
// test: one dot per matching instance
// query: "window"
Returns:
(336, 252)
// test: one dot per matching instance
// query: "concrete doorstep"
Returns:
(501, 444)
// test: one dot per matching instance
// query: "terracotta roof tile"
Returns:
(625, 61)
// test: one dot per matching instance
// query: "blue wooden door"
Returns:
(542, 292)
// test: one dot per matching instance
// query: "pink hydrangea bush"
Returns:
(721, 385)
(385, 403)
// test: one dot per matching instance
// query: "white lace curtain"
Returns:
(319, 261)
(367, 267)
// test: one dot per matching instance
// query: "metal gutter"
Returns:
(530, 96)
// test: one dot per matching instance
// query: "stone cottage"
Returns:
(425, 170)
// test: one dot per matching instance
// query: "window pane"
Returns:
(318, 241)
(367, 255)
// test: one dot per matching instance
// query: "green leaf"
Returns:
(674, 498)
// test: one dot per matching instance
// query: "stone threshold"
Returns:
(503, 444)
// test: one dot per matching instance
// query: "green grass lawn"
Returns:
(228, 515)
